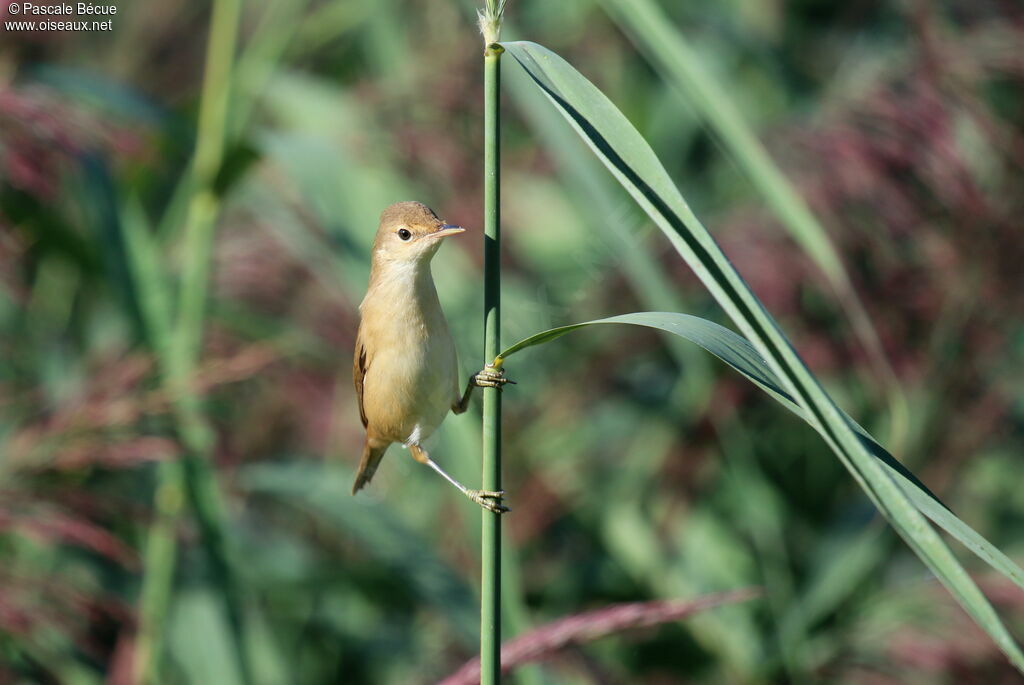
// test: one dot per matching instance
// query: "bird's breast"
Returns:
(412, 378)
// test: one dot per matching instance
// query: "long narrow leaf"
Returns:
(738, 353)
(542, 642)
(682, 67)
(632, 162)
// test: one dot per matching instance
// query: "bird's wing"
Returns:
(359, 365)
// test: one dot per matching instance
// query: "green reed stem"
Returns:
(154, 304)
(177, 348)
(490, 587)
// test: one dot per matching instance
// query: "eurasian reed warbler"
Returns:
(406, 367)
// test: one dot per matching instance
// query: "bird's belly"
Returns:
(409, 388)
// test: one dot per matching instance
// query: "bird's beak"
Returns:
(446, 230)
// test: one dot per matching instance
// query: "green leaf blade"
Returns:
(738, 353)
(632, 162)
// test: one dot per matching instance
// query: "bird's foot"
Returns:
(489, 500)
(490, 377)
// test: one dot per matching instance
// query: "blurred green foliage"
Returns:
(637, 469)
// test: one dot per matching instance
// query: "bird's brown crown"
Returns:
(412, 214)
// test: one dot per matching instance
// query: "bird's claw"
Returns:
(489, 377)
(489, 500)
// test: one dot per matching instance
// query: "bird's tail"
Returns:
(372, 454)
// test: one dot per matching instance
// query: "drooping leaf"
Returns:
(738, 353)
(635, 166)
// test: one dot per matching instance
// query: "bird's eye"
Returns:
(404, 233)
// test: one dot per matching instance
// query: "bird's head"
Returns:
(410, 232)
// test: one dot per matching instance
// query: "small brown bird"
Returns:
(406, 365)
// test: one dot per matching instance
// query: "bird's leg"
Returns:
(488, 499)
(488, 377)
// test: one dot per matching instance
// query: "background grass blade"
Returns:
(540, 643)
(177, 346)
(630, 159)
